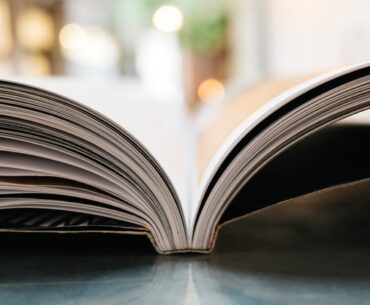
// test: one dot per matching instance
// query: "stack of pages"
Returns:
(64, 167)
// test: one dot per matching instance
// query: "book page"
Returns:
(267, 132)
(82, 141)
(164, 129)
(244, 113)
(236, 111)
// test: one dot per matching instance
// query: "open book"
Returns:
(64, 167)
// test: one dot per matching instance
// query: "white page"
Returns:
(252, 121)
(164, 129)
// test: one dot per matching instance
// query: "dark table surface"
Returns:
(281, 256)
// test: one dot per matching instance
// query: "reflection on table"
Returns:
(299, 252)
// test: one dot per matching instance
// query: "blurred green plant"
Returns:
(203, 35)
(205, 23)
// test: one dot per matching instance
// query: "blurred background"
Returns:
(189, 52)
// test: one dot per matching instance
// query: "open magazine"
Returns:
(64, 167)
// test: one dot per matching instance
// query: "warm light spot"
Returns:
(5, 32)
(168, 18)
(35, 29)
(211, 89)
(90, 46)
(72, 36)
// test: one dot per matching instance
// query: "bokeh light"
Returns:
(168, 18)
(5, 32)
(72, 36)
(211, 89)
(90, 46)
(35, 29)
